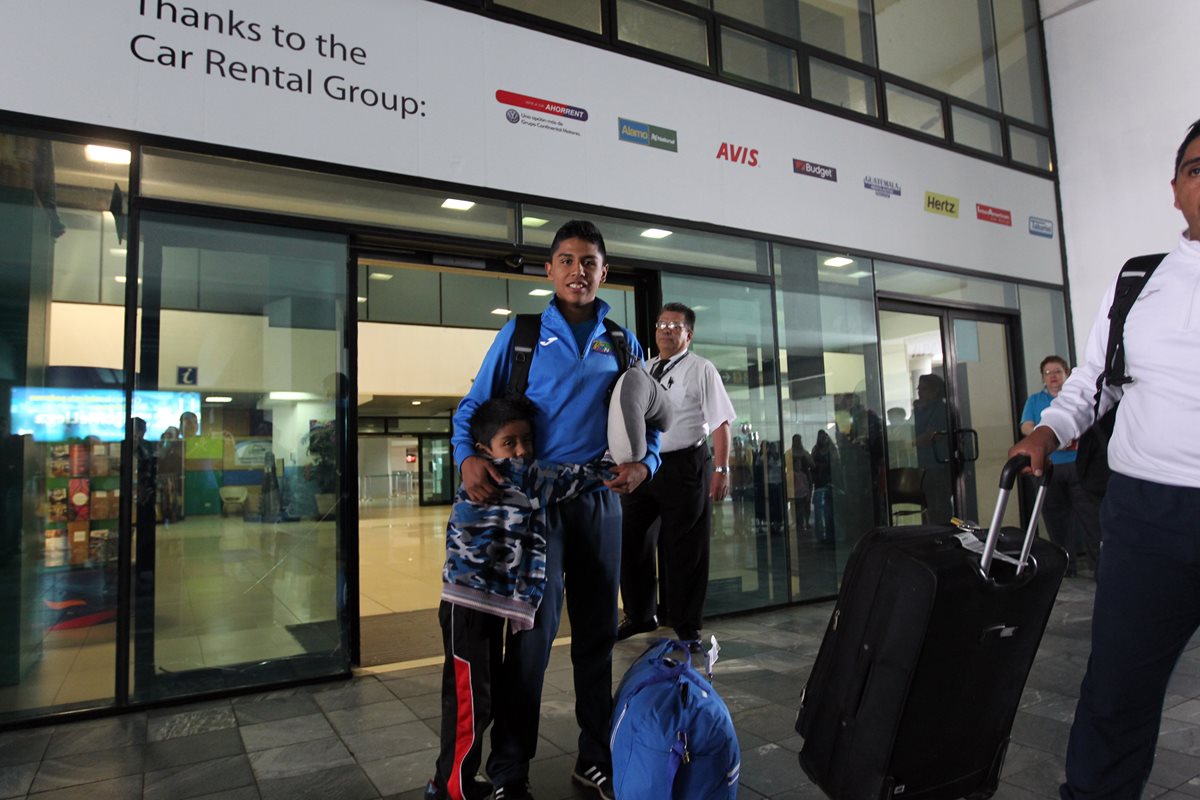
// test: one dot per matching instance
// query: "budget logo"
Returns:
(814, 170)
(881, 186)
(544, 106)
(998, 216)
(941, 204)
(629, 130)
(1041, 227)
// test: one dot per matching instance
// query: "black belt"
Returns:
(686, 451)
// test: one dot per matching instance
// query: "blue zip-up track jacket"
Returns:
(569, 390)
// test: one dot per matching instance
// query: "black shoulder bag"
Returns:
(1091, 462)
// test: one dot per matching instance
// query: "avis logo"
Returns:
(738, 155)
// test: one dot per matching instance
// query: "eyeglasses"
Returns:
(1050, 372)
(671, 326)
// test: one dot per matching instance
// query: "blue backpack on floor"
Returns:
(672, 736)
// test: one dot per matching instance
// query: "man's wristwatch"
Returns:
(721, 470)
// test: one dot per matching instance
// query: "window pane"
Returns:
(577, 13)
(777, 16)
(840, 26)
(946, 45)
(913, 110)
(750, 57)
(748, 564)
(936, 285)
(662, 29)
(1029, 148)
(62, 425)
(229, 183)
(1022, 73)
(977, 131)
(832, 411)
(237, 504)
(623, 237)
(1043, 330)
(843, 87)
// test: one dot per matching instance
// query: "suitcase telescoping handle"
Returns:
(1008, 479)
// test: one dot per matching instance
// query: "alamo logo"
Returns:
(881, 186)
(814, 170)
(941, 204)
(634, 132)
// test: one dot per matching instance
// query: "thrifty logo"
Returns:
(814, 170)
(544, 106)
(650, 135)
(882, 187)
(1041, 227)
(999, 216)
(941, 204)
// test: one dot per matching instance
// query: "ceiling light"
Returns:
(838, 261)
(362, 299)
(123, 279)
(218, 399)
(655, 233)
(382, 276)
(540, 293)
(107, 155)
(117, 251)
(416, 402)
(533, 222)
(699, 308)
(458, 205)
(291, 396)
(501, 312)
(862, 273)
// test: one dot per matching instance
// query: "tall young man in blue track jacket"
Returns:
(574, 364)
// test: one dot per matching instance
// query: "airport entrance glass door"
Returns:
(948, 395)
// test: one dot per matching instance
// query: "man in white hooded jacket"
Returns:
(1148, 591)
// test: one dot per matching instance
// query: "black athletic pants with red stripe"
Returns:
(474, 644)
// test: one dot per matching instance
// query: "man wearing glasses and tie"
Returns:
(1072, 515)
(683, 490)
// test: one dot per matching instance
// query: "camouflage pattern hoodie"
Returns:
(496, 554)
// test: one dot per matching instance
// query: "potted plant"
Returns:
(323, 472)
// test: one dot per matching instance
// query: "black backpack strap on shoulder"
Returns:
(524, 341)
(621, 343)
(1130, 282)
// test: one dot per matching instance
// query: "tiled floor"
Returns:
(375, 736)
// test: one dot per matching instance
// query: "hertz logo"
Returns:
(941, 204)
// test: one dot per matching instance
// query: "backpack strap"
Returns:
(1130, 282)
(524, 340)
(621, 343)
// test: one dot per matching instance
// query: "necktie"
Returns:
(658, 369)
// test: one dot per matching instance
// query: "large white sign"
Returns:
(419, 89)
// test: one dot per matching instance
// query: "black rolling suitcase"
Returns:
(918, 678)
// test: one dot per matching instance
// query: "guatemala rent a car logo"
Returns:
(650, 135)
(881, 187)
(1041, 227)
(547, 114)
(814, 170)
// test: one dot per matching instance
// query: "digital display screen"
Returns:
(56, 415)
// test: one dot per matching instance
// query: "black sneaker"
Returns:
(514, 790)
(630, 627)
(595, 777)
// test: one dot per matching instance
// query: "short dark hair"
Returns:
(1054, 360)
(579, 229)
(689, 316)
(494, 414)
(1193, 132)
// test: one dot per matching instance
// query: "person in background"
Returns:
(1072, 515)
(681, 496)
